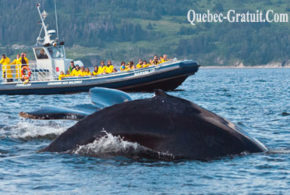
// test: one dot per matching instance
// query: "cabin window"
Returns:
(41, 54)
(56, 52)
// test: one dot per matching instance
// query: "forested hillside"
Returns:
(130, 29)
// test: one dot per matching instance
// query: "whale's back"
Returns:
(163, 123)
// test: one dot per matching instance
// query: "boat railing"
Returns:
(14, 73)
(25, 73)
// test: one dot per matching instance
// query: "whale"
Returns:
(163, 124)
(100, 98)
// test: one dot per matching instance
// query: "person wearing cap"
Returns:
(6, 68)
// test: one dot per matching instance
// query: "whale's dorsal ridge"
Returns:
(160, 92)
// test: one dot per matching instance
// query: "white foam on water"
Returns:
(29, 130)
(110, 145)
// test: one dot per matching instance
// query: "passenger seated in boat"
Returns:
(6, 68)
(131, 65)
(164, 59)
(155, 60)
(72, 66)
(83, 71)
(96, 71)
(145, 64)
(127, 67)
(87, 72)
(42, 54)
(123, 66)
(76, 72)
(150, 62)
(109, 68)
(102, 68)
(61, 75)
(140, 64)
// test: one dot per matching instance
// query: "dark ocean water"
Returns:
(257, 100)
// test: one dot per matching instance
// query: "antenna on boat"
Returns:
(46, 40)
(56, 22)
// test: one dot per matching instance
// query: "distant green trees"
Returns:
(105, 24)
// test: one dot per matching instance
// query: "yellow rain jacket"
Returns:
(109, 69)
(95, 73)
(127, 68)
(146, 65)
(76, 73)
(139, 66)
(85, 74)
(25, 59)
(16, 65)
(6, 68)
(61, 76)
(101, 69)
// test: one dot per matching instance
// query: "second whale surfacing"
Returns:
(163, 124)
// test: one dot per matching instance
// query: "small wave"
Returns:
(260, 80)
(28, 131)
(109, 146)
(279, 151)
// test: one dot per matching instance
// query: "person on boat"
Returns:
(110, 67)
(83, 72)
(102, 68)
(96, 71)
(87, 72)
(23, 60)
(123, 66)
(24, 67)
(140, 64)
(155, 60)
(131, 65)
(16, 66)
(42, 54)
(61, 75)
(76, 72)
(164, 58)
(6, 68)
(127, 66)
(145, 64)
(72, 66)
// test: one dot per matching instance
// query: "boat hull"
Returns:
(166, 77)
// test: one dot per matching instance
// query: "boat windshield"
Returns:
(41, 53)
(56, 52)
